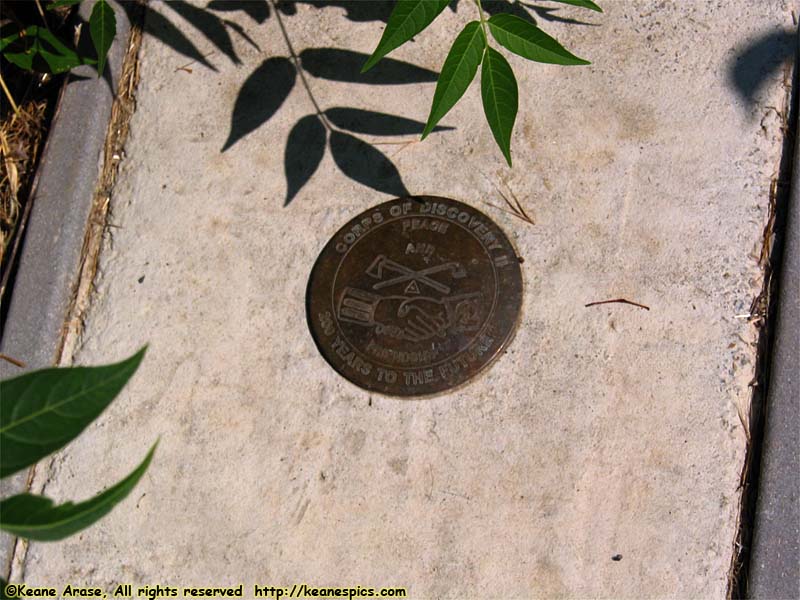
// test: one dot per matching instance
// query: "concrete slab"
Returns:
(599, 457)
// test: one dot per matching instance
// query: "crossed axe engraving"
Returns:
(382, 264)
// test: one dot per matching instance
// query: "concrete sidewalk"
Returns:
(599, 457)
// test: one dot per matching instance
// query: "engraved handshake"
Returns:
(410, 315)
(423, 318)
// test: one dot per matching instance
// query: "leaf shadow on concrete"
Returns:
(759, 61)
(160, 27)
(356, 158)
(494, 7)
(365, 164)
(207, 21)
(370, 122)
(334, 127)
(267, 87)
(336, 64)
(260, 97)
(258, 11)
(210, 24)
(525, 10)
(265, 90)
(358, 11)
(550, 14)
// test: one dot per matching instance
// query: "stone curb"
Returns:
(50, 255)
(775, 561)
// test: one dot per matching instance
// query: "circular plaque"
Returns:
(414, 296)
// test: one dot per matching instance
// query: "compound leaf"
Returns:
(457, 72)
(20, 47)
(527, 40)
(57, 54)
(23, 48)
(23, 60)
(37, 518)
(500, 98)
(41, 411)
(408, 18)
(9, 33)
(103, 28)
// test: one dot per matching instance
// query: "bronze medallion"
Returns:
(414, 296)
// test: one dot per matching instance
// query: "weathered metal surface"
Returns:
(414, 296)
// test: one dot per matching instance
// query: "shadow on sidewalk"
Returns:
(758, 62)
(266, 88)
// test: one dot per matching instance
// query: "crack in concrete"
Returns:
(113, 153)
(762, 315)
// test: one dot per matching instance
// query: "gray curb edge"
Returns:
(775, 561)
(50, 255)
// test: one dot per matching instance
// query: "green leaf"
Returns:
(457, 73)
(60, 3)
(37, 518)
(59, 57)
(582, 3)
(408, 18)
(527, 40)
(24, 60)
(500, 98)
(103, 28)
(10, 35)
(42, 411)
(38, 41)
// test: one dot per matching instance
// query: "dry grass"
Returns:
(21, 136)
(514, 208)
(114, 150)
(26, 98)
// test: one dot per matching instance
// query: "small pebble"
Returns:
(617, 557)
